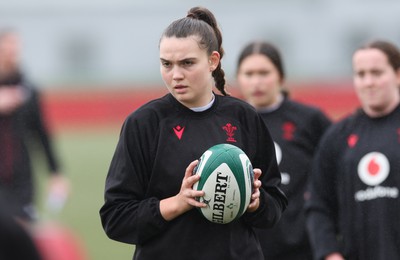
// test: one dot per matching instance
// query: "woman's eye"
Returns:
(166, 64)
(376, 73)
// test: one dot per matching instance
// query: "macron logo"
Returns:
(179, 131)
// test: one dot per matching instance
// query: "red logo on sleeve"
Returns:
(352, 140)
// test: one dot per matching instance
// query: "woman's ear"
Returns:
(214, 60)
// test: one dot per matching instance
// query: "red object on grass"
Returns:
(56, 242)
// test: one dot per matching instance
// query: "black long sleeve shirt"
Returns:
(296, 130)
(18, 130)
(157, 143)
(354, 207)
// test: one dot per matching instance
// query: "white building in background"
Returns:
(104, 42)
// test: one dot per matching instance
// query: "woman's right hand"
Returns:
(185, 200)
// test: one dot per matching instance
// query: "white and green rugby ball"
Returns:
(226, 177)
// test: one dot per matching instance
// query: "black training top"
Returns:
(23, 127)
(296, 130)
(157, 143)
(355, 205)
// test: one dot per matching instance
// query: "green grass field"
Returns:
(85, 157)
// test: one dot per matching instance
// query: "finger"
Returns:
(190, 168)
(257, 173)
(190, 193)
(191, 180)
(194, 198)
(253, 205)
(197, 204)
(257, 184)
(255, 195)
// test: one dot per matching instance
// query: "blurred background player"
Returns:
(354, 207)
(16, 241)
(22, 124)
(296, 130)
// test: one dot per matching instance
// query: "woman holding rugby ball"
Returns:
(149, 200)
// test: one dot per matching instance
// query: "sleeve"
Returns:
(128, 215)
(321, 204)
(39, 131)
(272, 200)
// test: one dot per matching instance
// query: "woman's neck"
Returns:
(274, 106)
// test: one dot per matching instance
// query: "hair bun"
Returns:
(203, 14)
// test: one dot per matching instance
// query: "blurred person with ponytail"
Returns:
(149, 200)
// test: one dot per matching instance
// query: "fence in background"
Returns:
(106, 108)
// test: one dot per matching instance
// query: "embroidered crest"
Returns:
(230, 129)
(288, 129)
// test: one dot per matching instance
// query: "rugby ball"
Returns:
(226, 177)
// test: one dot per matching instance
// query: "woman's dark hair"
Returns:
(202, 23)
(389, 49)
(14, 78)
(267, 49)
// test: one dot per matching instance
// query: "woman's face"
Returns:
(376, 82)
(259, 80)
(187, 70)
(9, 51)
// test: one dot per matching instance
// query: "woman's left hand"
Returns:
(255, 197)
(58, 192)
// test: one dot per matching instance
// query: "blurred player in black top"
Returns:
(21, 122)
(296, 129)
(354, 208)
(149, 200)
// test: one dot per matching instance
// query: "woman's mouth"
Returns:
(179, 89)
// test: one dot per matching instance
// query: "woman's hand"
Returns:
(186, 198)
(11, 98)
(255, 197)
(58, 191)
